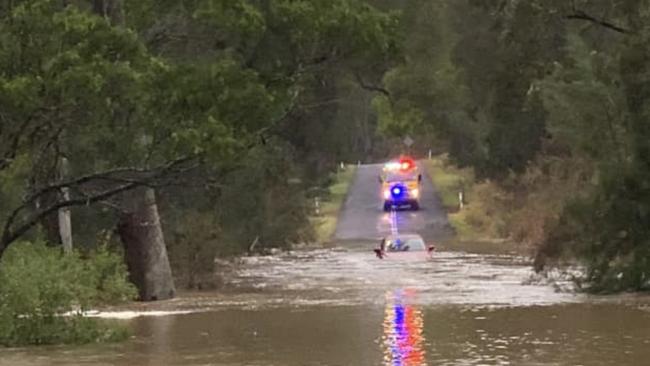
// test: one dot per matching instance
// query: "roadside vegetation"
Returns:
(491, 213)
(43, 294)
(326, 216)
(449, 180)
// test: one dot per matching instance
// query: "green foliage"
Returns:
(425, 94)
(449, 180)
(613, 219)
(469, 74)
(550, 107)
(195, 242)
(109, 276)
(264, 98)
(43, 293)
(398, 120)
(613, 227)
(263, 201)
(331, 202)
(482, 217)
(200, 80)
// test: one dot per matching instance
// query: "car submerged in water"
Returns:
(405, 246)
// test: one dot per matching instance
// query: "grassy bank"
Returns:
(324, 223)
(479, 220)
(495, 218)
(449, 181)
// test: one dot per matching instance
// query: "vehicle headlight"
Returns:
(415, 192)
(386, 194)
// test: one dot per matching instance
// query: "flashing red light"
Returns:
(406, 163)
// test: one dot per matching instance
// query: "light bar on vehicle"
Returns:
(406, 164)
(393, 165)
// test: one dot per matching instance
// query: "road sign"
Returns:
(408, 141)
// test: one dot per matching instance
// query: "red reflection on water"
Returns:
(403, 338)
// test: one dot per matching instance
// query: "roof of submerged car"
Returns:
(404, 243)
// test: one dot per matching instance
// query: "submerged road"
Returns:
(341, 306)
(362, 216)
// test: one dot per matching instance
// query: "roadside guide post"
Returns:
(460, 200)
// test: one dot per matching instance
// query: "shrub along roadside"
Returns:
(324, 222)
(448, 181)
(485, 223)
(519, 213)
(38, 285)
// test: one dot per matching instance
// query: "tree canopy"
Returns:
(137, 92)
(510, 88)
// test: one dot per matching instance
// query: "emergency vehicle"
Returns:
(400, 184)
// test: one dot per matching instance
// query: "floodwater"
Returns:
(345, 307)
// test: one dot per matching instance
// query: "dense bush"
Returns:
(264, 201)
(194, 243)
(613, 244)
(43, 294)
(257, 206)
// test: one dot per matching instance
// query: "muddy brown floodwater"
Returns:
(345, 307)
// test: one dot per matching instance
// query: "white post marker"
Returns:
(317, 205)
(429, 154)
(460, 200)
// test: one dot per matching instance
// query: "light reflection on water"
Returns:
(403, 325)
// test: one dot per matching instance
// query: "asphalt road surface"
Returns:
(362, 216)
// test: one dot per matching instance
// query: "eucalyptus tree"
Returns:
(136, 94)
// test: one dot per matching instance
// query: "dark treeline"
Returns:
(548, 102)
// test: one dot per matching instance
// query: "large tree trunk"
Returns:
(146, 254)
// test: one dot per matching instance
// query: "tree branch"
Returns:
(581, 15)
(371, 87)
(15, 140)
(10, 235)
(106, 175)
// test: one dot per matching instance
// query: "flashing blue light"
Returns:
(398, 191)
